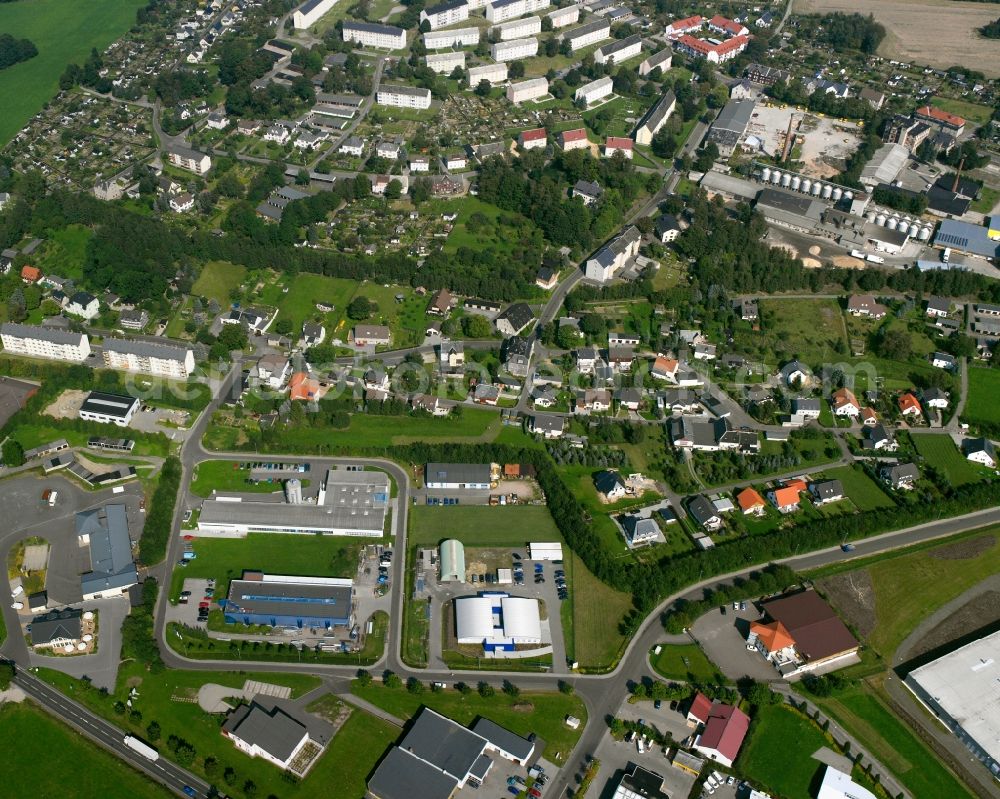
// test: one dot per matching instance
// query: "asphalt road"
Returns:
(108, 736)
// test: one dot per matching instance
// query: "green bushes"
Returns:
(160, 516)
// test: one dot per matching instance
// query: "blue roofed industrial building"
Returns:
(285, 601)
(968, 238)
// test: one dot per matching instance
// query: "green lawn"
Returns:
(908, 587)
(82, 769)
(540, 713)
(940, 452)
(305, 290)
(686, 662)
(806, 329)
(217, 279)
(226, 558)
(165, 698)
(62, 35)
(353, 753)
(861, 712)
(212, 476)
(982, 404)
(987, 199)
(65, 250)
(860, 488)
(779, 753)
(482, 525)
(980, 114)
(34, 435)
(595, 610)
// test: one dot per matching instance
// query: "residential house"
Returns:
(704, 351)
(935, 397)
(313, 334)
(869, 417)
(431, 404)
(451, 359)
(533, 139)
(30, 274)
(877, 437)
(704, 513)
(441, 303)
(610, 484)
(751, 502)
(938, 307)
(181, 203)
(592, 400)
(900, 475)
(270, 370)
(723, 735)
(825, 491)
(795, 373)
(587, 191)
(677, 400)
(909, 405)
(371, 335)
(614, 256)
(942, 360)
(711, 435)
(665, 368)
(844, 403)
(574, 139)
(629, 398)
(806, 408)
(621, 358)
(747, 308)
(640, 531)
(84, 305)
(586, 359)
(865, 305)
(618, 144)
(514, 319)
(546, 278)
(667, 228)
(516, 354)
(786, 497)
(302, 387)
(981, 451)
(486, 394)
(547, 425)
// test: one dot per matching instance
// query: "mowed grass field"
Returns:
(591, 617)
(82, 769)
(217, 279)
(940, 451)
(368, 430)
(984, 389)
(686, 662)
(860, 488)
(940, 33)
(806, 329)
(64, 31)
(482, 525)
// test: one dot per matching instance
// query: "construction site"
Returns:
(822, 144)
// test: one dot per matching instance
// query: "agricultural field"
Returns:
(860, 488)
(63, 35)
(940, 451)
(539, 713)
(939, 33)
(104, 775)
(885, 599)
(226, 558)
(984, 388)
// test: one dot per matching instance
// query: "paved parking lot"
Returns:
(724, 639)
(616, 757)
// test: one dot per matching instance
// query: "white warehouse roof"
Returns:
(520, 618)
(473, 618)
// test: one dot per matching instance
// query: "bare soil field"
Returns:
(853, 594)
(939, 33)
(964, 550)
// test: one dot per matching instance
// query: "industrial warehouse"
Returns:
(284, 601)
(498, 621)
(350, 503)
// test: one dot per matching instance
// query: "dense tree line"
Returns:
(843, 32)
(900, 199)
(991, 30)
(160, 515)
(13, 51)
(138, 640)
(794, 93)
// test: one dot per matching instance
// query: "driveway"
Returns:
(724, 639)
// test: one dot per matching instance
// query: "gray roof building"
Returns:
(56, 625)
(457, 473)
(146, 349)
(501, 738)
(731, 124)
(702, 510)
(105, 530)
(53, 335)
(403, 775)
(266, 727)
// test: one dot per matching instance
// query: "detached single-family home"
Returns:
(877, 437)
(980, 450)
(751, 502)
(806, 407)
(514, 319)
(935, 397)
(826, 491)
(610, 484)
(869, 417)
(909, 405)
(665, 368)
(786, 498)
(547, 425)
(592, 400)
(795, 373)
(723, 735)
(588, 191)
(84, 305)
(704, 513)
(375, 335)
(942, 360)
(667, 228)
(586, 359)
(844, 403)
(900, 475)
(866, 305)
(938, 307)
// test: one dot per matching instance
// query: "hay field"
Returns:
(939, 33)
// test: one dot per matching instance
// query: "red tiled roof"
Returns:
(787, 496)
(818, 632)
(687, 23)
(700, 708)
(719, 21)
(908, 402)
(704, 47)
(749, 499)
(665, 365)
(774, 636)
(725, 730)
(580, 134)
(798, 484)
(31, 273)
(843, 397)
(938, 115)
(618, 143)
(302, 387)
(533, 135)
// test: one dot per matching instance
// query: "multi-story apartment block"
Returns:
(159, 360)
(384, 37)
(44, 342)
(403, 96)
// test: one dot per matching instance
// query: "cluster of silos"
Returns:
(804, 185)
(913, 227)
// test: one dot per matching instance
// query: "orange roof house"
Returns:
(868, 416)
(933, 114)
(664, 367)
(774, 636)
(845, 403)
(786, 498)
(31, 274)
(798, 484)
(750, 501)
(303, 387)
(909, 405)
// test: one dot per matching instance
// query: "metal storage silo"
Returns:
(806, 185)
(817, 188)
(870, 216)
(924, 234)
(848, 195)
(837, 193)
(827, 191)
(776, 176)
(913, 230)
(880, 220)
(786, 180)
(796, 183)
(893, 223)
(765, 176)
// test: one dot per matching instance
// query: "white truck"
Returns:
(875, 259)
(858, 254)
(141, 747)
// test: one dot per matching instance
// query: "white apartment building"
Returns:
(403, 96)
(562, 17)
(159, 360)
(460, 37)
(310, 12)
(517, 28)
(614, 256)
(595, 90)
(44, 342)
(514, 50)
(445, 63)
(586, 35)
(527, 90)
(620, 50)
(384, 37)
(445, 14)
(191, 160)
(502, 10)
(662, 59)
(494, 73)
